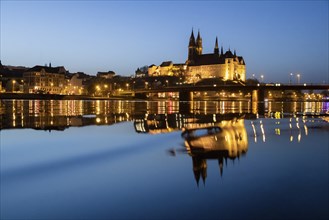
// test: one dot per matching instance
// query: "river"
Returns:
(119, 159)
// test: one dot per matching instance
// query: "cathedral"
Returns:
(225, 66)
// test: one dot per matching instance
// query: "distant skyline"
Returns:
(275, 38)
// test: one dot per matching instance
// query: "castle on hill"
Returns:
(225, 66)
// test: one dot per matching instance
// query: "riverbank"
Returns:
(57, 97)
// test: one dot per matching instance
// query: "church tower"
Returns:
(191, 48)
(198, 44)
(216, 50)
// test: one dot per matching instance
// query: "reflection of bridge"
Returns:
(186, 91)
(162, 123)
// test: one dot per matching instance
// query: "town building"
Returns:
(106, 75)
(77, 83)
(141, 72)
(226, 66)
(11, 78)
(44, 79)
(167, 68)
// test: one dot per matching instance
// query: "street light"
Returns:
(253, 76)
(298, 78)
(290, 78)
(262, 78)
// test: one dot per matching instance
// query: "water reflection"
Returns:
(225, 140)
(64, 166)
(158, 116)
(61, 114)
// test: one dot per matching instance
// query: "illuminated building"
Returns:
(167, 68)
(76, 84)
(106, 75)
(44, 79)
(225, 66)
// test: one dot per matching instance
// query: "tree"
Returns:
(252, 82)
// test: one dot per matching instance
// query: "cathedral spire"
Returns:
(199, 44)
(192, 40)
(192, 49)
(234, 53)
(216, 50)
(198, 37)
(220, 162)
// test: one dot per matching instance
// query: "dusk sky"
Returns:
(274, 37)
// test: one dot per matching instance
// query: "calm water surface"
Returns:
(163, 160)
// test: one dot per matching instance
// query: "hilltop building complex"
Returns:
(225, 66)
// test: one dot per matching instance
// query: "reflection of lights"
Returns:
(262, 129)
(277, 131)
(223, 107)
(240, 107)
(291, 138)
(299, 136)
(297, 123)
(306, 130)
(98, 120)
(253, 128)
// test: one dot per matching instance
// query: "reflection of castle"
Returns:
(207, 136)
(228, 140)
(162, 123)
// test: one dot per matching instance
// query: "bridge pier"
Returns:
(258, 101)
(185, 96)
(261, 102)
(185, 102)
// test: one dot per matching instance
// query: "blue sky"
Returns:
(274, 37)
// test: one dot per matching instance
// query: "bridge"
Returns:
(186, 91)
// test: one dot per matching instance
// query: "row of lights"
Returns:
(290, 79)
